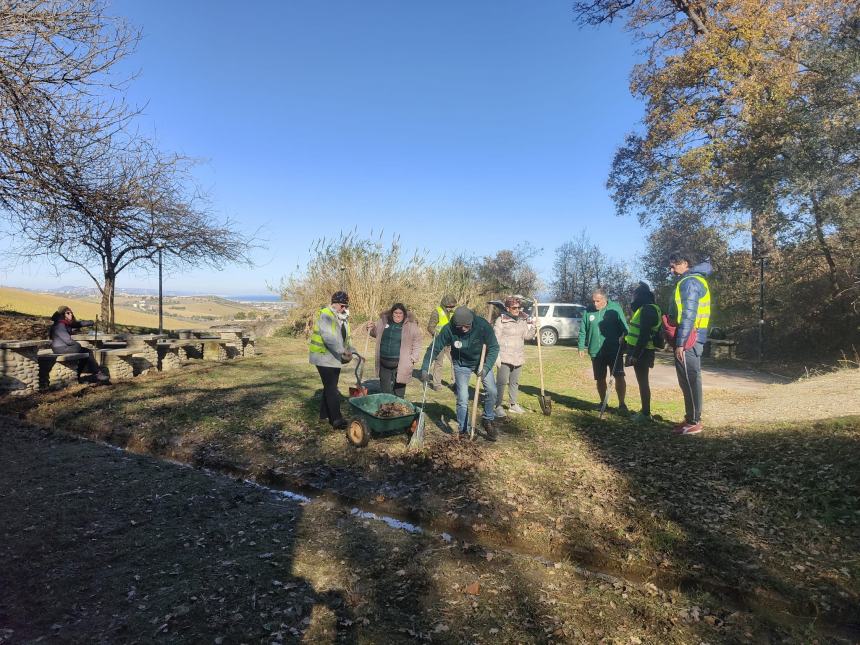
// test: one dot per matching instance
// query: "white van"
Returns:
(559, 321)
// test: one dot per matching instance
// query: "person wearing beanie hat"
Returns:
(63, 324)
(330, 349)
(465, 336)
(438, 319)
(640, 346)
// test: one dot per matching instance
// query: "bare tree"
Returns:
(55, 83)
(114, 207)
(580, 267)
(508, 272)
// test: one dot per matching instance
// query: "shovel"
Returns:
(359, 389)
(417, 439)
(477, 392)
(543, 399)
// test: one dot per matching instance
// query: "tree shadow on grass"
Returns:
(117, 547)
(761, 519)
(284, 452)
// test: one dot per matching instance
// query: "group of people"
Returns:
(496, 353)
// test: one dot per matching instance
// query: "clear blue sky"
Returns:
(461, 126)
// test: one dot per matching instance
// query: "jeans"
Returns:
(462, 376)
(690, 379)
(510, 376)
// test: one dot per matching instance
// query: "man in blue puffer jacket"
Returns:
(690, 310)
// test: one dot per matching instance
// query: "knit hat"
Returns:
(340, 297)
(462, 316)
(448, 301)
(60, 313)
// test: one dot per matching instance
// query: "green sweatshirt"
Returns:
(602, 329)
(469, 352)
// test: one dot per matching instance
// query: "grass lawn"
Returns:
(759, 523)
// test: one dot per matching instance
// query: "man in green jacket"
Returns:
(466, 335)
(602, 331)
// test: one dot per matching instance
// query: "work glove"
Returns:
(346, 357)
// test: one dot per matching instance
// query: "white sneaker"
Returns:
(500, 412)
(516, 409)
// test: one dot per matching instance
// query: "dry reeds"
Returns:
(375, 274)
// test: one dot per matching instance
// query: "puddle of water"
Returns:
(390, 521)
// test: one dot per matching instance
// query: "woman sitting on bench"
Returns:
(64, 322)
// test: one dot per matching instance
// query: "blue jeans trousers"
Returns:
(462, 376)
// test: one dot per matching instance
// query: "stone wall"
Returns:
(19, 370)
(58, 370)
(119, 364)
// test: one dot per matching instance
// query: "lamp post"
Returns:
(160, 246)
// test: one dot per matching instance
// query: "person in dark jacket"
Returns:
(690, 310)
(63, 324)
(639, 342)
(466, 335)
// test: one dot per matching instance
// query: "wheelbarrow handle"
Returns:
(359, 368)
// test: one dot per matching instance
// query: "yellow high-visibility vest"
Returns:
(632, 336)
(317, 345)
(703, 315)
(443, 318)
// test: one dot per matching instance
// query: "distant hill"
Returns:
(43, 304)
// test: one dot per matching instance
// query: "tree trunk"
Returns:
(826, 251)
(107, 301)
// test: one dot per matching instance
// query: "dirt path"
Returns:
(737, 396)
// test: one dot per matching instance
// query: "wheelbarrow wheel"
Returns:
(358, 432)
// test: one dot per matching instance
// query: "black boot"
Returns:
(489, 430)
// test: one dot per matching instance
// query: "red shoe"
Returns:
(680, 425)
(689, 428)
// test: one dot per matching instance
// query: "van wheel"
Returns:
(548, 336)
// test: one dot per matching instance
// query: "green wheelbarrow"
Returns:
(365, 420)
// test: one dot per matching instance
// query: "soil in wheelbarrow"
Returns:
(394, 410)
